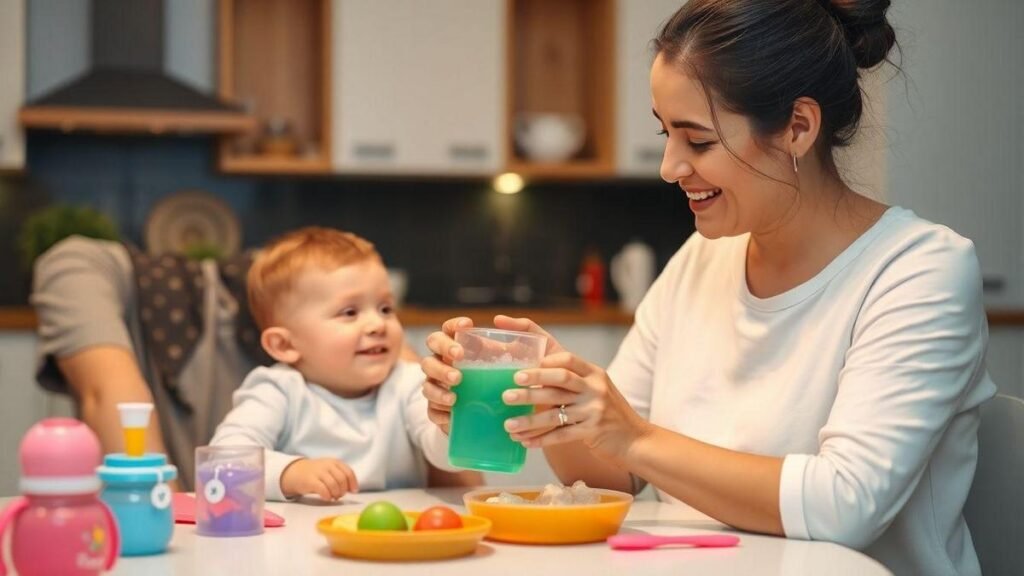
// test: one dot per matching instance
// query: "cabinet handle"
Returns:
(992, 284)
(374, 151)
(468, 152)
(649, 155)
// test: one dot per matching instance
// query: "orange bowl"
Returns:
(549, 524)
(345, 539)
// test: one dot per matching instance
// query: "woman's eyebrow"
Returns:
(683, 123)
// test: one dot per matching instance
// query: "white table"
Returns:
(298, 550)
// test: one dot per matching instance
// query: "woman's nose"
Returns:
(674, 166)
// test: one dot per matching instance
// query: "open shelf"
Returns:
(275, 62)
(561, 62)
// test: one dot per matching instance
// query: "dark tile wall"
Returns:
(446, 233)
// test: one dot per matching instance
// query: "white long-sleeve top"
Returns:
(382, 436)
(866, 378)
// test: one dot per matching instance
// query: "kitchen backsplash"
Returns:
(446, 233)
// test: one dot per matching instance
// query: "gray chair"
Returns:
(995, 505)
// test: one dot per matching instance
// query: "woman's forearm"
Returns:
(100, 378)
(741, 490)
(574, 461)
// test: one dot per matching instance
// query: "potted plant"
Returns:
(45, 227)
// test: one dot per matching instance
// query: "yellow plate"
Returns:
(346, 540)
(550, 524)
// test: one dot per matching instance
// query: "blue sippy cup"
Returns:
(135, 488)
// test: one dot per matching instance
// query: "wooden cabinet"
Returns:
(418, 86)
(275, 62)
(638, 148)
(12, 83)
(442, 87)
(561, 65)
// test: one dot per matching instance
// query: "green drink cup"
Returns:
(478, 439)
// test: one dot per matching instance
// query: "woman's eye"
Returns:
(662, 132)
(700, 146)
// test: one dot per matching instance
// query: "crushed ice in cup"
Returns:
(553, 495)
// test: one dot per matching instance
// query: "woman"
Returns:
(811, 362)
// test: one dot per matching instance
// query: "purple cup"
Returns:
(229, 490)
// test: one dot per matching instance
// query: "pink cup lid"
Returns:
(59, 456)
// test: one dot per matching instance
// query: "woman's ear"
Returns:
(277, 342)
(804, 126)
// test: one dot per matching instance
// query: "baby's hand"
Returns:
(326, 477)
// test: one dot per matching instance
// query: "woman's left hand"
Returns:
(575, 400)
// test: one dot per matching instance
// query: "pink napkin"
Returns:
(184, 506)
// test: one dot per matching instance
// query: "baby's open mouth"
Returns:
(375, 351)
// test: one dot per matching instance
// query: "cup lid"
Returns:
(123, 469)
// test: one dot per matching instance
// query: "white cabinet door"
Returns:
(22, 404)
(418, 86)
(12, 82)
(639, 147)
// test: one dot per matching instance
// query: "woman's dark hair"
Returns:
(757, 57)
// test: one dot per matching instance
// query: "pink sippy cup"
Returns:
(61, 527)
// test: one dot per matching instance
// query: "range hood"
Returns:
(127, 90)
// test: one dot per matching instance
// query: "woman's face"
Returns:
(727, 196)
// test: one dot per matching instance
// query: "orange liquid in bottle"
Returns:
(134, 441)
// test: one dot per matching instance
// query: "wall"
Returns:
(956, 142)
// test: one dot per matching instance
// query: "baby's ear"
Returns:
(277, 342)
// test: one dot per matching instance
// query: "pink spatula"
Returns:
(648, 541)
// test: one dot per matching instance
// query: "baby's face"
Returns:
(343, 324)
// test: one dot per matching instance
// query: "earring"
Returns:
(796, 169)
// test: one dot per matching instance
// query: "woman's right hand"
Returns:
(442, 377)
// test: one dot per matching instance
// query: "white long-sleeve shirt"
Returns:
(382, 436)
(866, 378)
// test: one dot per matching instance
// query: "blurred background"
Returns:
(500, 153)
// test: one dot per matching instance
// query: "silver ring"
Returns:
(563, 418)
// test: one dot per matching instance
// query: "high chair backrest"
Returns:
(995, 505)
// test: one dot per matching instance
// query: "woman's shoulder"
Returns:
(909, 239)
(912, 253)
(86, 253)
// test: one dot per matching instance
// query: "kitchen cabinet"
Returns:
(418, 86)
(13, 24)
(561, 72)
(274, 60)
(638, 147)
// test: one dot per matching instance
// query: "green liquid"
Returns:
(478, 437)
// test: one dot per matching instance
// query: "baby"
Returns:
(340, 411)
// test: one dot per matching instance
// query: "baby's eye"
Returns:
(348, 312)
(387, 310)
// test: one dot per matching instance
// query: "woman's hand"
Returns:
(441, 376)
(574, 400)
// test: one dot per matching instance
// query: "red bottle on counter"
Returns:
(590, 282)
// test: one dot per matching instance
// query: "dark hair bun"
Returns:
(867, 29)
